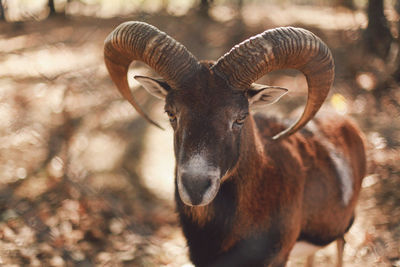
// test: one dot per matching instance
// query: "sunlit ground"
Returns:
(84, 180)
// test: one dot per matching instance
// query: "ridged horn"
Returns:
(282, 48)
(136, 40)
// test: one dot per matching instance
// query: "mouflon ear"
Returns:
(261, 95)
(156, 87)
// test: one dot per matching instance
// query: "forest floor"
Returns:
(86, 182)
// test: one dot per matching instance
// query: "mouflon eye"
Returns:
(241, 119)
(171, 116)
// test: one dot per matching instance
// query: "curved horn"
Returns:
(135, 40)
(282, 48)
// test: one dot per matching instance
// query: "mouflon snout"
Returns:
(198, 182)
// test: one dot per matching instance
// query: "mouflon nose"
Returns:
(196, 187)
(198, 181)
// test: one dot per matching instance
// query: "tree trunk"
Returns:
(2, 13)
(204, 7)
(240, 4)
(378, 37)
(52, 8)
(396, 74)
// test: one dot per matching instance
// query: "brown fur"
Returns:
(200, 214)
(289, 181)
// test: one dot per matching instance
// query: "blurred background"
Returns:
(84, 181)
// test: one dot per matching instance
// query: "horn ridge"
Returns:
(281, 48)
(134, 40)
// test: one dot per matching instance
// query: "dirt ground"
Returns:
(86, 182)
